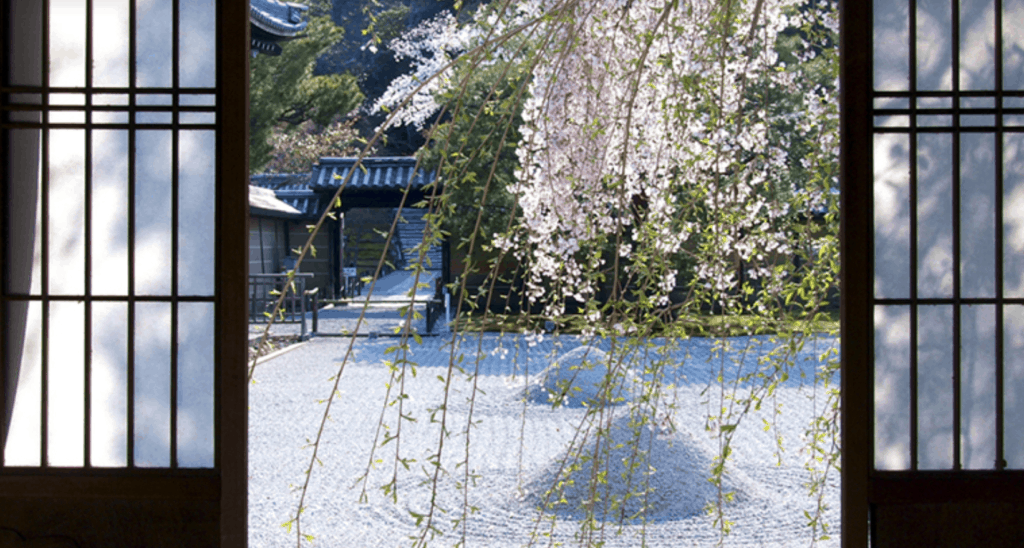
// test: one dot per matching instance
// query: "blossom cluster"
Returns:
(652, 125)
(653, 135)
(430, 47)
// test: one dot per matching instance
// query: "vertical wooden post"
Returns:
(232, 265)
(856, 179)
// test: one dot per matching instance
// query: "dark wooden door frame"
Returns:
(233, 269)
(955, 499)
(856, 251)
(220, 492)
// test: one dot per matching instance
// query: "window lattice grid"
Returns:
(121, 284)
(939, 112)
(947, 136)
(110, 108)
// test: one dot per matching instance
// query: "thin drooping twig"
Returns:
(639, 272)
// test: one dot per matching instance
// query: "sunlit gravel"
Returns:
(517, 447)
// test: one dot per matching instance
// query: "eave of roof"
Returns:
(263, 200)
(277, 18)
(308, 203)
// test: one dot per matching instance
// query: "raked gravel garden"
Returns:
(517, 444)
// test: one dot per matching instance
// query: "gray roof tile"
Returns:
(280, 181)
(386, 173)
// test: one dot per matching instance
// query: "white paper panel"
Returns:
(941, 120)
(66, 384)
(197, 63)
(978, 120)
(66, 224)
(892, 45)
(152, 384)
(934, 45)
(67, 43)
(934, 215)
(977, 387)
(935, 388)
(110, 43)
(892, 215)
(934, 102)
(1013, 386)
(892, 387)
(110, 212)
(977, 44)
(1013, 44)
(195, 385)
(153, 43)
(154, 118)
(153, 213)
(24, 437)
(109, 384)
(1013, 215)
(155, 99)
(102, 117)
(977, 215)
(197, 202)
(977, 102)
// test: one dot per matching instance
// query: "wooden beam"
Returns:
(232, 429)
(857, 252)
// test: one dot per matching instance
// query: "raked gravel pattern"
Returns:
(515, 449)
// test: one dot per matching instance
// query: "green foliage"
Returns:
(389, 24)
(283, 89)
(474, 152)
(294, 150)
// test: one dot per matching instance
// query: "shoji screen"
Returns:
(116, 361)
(122, 196)
(934, 243)
(949, 185)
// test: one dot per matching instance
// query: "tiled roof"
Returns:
(308, 202)
(280, 181)
(264, 199)
(309, 193)
(386, 173)
(282, 19)
(292, 189)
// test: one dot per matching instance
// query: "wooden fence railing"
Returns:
(265, 290)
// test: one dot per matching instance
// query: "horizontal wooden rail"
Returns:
(937, 487)
(346, 302)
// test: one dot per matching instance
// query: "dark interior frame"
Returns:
(931, 497)
(226, 484)
(857, 253)
(221, 492)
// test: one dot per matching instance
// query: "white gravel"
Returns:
(517, 447)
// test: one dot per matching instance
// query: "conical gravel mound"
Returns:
(642, 473)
